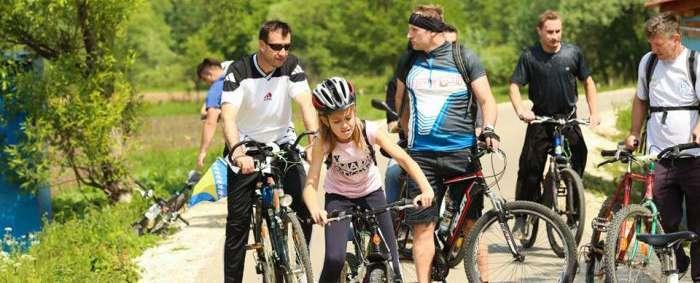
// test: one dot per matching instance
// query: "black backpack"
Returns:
(649, 71)
(329, 158)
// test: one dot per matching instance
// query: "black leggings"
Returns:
(337, 233)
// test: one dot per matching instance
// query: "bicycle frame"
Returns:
(469, 181)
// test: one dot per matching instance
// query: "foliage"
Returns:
(82, 106)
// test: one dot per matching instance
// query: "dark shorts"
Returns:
(441, 166)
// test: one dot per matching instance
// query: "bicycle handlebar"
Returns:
(559, 121)
(355, 211)
(675, 151)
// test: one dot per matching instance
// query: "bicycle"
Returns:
(562, 188)
(505, 253)
(273, 222)
(404, 235)
(621, 254)
(665, 244)
(371, 260)
(163, 213)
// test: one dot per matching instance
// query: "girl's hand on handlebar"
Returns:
(319, 216)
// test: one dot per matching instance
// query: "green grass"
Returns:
(171, 108)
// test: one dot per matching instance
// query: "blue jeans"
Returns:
(392, 181)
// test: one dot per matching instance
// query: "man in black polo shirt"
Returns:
(551, 69)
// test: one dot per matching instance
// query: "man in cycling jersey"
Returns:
(211, 72)
(256, 104)
(438, 124)
(551, 69)
(670, 86)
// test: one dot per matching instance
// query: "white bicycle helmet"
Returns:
(333, 94)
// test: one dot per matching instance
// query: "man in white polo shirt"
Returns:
(256, 102)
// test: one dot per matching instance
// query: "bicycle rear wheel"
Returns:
(574, 215)
(627, 259)
(489, 258)
(299, 263)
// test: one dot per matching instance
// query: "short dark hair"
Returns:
(548, 15)
(273, 25)
(207, 64)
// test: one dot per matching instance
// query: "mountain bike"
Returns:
(281, 252)
(664, 245)
(490, 252)
(562, 188)
(370, 260)
(162, 213)
(620, 256)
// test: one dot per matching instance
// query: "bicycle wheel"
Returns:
(489, 256)
(379, 273)
(595, 270)
(299, 269)
(575, 216)
(264, 254)
(626, 259)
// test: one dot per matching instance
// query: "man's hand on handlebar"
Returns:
(245, 163)
(490, 138)
(425, 199)
(526, 115)
(631, 142)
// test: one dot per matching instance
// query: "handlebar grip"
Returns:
(335, 214)
(608, 153)
(679, 148)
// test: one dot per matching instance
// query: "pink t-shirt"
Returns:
(353, 173)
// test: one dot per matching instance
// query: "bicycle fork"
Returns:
(497, 203)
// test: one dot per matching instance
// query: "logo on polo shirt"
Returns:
(268, 97)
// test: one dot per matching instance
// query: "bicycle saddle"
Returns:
(667, 240)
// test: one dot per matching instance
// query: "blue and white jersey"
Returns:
(438, 99)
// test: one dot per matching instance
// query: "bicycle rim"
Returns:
(489, 257)
(626, 258)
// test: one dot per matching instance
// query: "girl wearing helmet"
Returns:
(352, 177)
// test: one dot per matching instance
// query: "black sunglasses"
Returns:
(278, 47)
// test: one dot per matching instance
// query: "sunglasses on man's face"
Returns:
(278, 47)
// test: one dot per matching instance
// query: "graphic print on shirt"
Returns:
(350, 168)
(441, 89)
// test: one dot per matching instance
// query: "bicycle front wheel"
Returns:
(626, 258)
(489, 256)
(573, 211)
(299, 264)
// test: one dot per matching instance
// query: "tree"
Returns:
(81, 109)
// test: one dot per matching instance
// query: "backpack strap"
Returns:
(651, 65)
(462, 68)
(691, 68)
(329, 157)
(369, 145)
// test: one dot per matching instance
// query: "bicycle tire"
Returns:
(575, 217)
(594, 267)
(563, 272)
(379, 273)
(301, 250)
(614, 248)
(269, 268)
